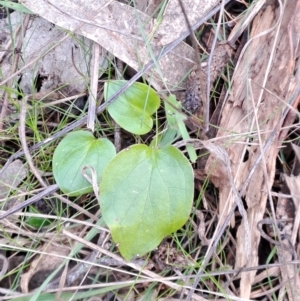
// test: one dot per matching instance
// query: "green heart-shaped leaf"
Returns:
(76, 150)
(145, 195)
(133, 109)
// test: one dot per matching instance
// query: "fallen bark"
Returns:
(261, 90)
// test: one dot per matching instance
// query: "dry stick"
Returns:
(205, 97)
(49, 190)
(233, 38)
(84, 267)
(101, 108)
(26, 151)
(270, 221)
(120, 262)
(30, 201)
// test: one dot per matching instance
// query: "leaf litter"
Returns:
(251, 149)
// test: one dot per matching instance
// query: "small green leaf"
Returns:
(76, 150)
(175, 120)
(145, 195)
(16, 6)
(173, 115)
(133, 109)
(36, 221)
(167, 137)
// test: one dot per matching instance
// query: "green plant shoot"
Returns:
(175, 121)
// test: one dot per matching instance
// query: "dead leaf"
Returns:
(66, 64)
(123, 30)
(173, 23)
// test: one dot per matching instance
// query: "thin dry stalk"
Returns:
(93, 86)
